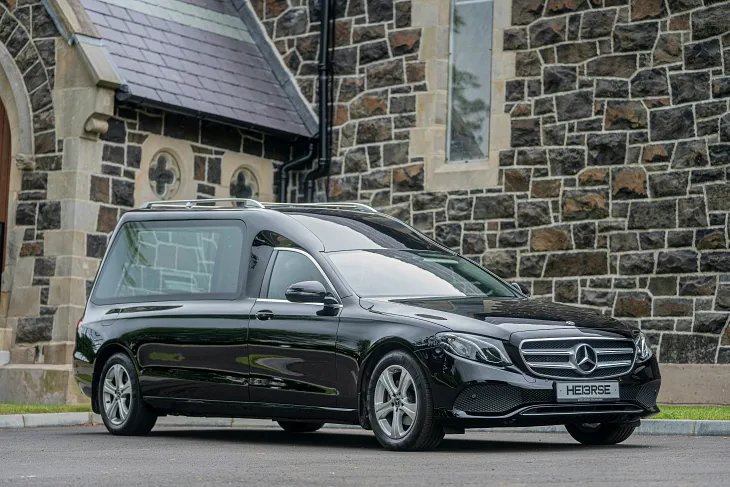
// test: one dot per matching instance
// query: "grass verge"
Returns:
(694, 412)
(42, 408)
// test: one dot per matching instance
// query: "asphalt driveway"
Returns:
(84, 456)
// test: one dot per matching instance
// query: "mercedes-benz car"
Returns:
(336, 313)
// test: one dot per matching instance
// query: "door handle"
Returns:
(264, 315)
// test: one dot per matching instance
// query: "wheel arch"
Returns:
(102, 356)
(371, 359)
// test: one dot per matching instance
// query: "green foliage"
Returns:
(42, 408)
(694, 412)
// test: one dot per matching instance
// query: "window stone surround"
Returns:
(429, 137)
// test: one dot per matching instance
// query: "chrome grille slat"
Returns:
(608, 365)
(546, 352)
(553, 357)
(615, 351)
(543, 365)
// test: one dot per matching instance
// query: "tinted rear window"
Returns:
(158, 261)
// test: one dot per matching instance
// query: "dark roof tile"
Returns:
(205, 60)
(119, 13)
(98, 19)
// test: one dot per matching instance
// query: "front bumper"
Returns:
(472, 395)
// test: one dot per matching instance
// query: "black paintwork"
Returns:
(254, 357)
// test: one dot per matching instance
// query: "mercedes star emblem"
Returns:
(584, 359)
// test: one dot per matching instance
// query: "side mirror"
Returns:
(307, 292)
(521, 288)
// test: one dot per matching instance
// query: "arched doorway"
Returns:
(5, 161)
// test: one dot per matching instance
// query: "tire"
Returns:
(412, 398)
(299, 426)
(600, 434)
(119, 381)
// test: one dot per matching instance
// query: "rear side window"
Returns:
(164, 260)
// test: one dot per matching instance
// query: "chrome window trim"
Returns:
(266, 300)
(569, 365)
(316, 264)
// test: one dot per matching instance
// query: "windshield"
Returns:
(410, 273)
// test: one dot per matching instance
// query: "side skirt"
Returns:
(254, 410)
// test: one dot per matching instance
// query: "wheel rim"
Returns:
(396, 403)
(117, 394)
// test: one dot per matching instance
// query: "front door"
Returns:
(292, 345)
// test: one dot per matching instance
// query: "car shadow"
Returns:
(333, 438)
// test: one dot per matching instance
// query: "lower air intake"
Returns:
(499, 398)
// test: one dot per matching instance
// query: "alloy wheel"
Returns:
(395, 401)
(117, 394)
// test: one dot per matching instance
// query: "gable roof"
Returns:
(200, 56)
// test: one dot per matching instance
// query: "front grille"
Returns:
(499, 398)
(563, 358)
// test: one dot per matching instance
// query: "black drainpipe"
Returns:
(322, 167)
(291, 166)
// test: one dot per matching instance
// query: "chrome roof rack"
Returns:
(212, 204)
(201, 204)
(334, 206)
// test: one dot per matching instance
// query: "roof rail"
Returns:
(335, 206)
(201, 203)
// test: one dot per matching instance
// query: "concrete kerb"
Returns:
(657, 427)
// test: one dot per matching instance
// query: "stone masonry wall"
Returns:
(114, 188)
(614, 194)
(29, 35)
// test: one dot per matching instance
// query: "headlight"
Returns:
(643, 350)
(473, 348)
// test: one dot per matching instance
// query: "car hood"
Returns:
(498, 318)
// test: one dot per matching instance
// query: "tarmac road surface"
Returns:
(88, 456)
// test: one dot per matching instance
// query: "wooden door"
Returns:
(4, 179)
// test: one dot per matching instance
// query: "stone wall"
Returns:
(112, 177)
(613, 191)
(208, 153)
(30, 37)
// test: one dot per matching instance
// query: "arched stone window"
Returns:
(244, 184)
(164, 175)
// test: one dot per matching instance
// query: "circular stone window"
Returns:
(164, 175)
(244, 184)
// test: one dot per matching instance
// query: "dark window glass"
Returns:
(152, 261)
(261, 251)
(405, 273)
(471, 80)
(291, 268)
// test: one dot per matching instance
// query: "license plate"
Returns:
(587, 391)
